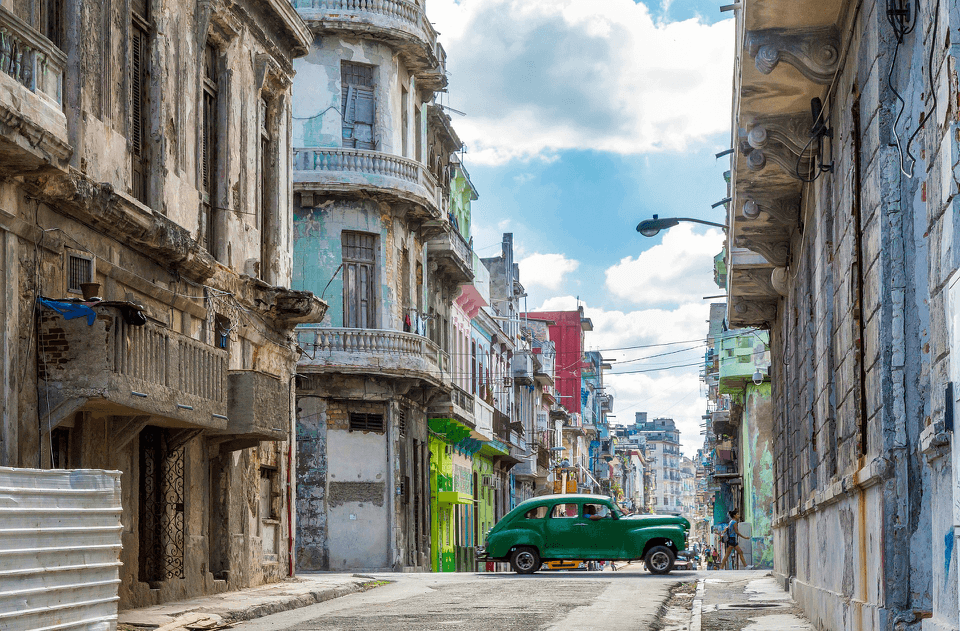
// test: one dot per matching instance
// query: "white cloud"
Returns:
(541, 76)
(673, 393)
(673, 272)
(546, 270)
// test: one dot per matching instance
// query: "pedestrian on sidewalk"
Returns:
(732, 535)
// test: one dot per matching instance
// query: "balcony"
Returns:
(117, 368)
(382, 175)
(400, 23)
(259, 406)
(523, 367)
(451, 252)
(372, 351)
(458, 405)
(31, 98)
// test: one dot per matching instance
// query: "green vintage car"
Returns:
(586, 527)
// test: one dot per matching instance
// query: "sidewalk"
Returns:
(744, 601)
(217, 611)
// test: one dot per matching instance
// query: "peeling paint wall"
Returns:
(150, 252)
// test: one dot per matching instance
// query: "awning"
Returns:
(454, 497)
(495, 448)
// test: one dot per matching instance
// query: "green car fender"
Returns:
(500, 543)
(643, 536)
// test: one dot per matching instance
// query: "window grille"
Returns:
(79, 270)
(360, 422)
(402, 422)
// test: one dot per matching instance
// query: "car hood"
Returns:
(659, 520)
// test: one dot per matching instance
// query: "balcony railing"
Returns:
(30, 58)
(362, 350)
(131, 370)
(337, 168)
(455, 254)
(400, 20)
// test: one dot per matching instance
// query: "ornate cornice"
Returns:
(815, 52)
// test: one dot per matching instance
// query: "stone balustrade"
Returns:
(337, 168)
(372, 350)
(30, 58)
(131, 370)
(402, 21)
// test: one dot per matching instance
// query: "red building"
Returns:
(566, 330)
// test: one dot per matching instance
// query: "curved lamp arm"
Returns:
(651, 227)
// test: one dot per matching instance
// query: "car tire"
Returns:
(659, 560)
(525, 560)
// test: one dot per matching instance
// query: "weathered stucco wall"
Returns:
(849, 387)
(317, 97)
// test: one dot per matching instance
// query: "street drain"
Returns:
(750, 606)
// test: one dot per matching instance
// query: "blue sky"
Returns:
(582, 118)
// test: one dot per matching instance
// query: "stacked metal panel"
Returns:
(59, 549)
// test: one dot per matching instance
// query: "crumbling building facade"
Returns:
(842, 242)
(372, 234)
(144, 242)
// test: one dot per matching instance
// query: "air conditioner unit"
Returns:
(448, 449)
(508, 381)
(487, 481)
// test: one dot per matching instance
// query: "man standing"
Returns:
(731, 537)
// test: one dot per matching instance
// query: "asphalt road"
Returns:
(611, 601)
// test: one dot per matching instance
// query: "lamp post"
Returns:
(652, 227)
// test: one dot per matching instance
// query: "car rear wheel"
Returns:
(525, 560)
(659, 560)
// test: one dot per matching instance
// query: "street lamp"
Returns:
(652, 227)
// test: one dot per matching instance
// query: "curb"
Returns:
(696, 612)
(231, 615)
(304, 600)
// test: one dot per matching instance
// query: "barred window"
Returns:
(79, 271)
(360, 422)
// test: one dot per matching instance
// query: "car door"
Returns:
(602, 531)
(564, 537)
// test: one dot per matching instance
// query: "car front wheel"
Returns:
(525, 561)
(659, 560)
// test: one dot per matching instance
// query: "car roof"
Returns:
(568, 497)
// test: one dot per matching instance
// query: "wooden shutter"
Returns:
(357, 105)
(359, 274)
(138, 81)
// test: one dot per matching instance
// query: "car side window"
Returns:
(596, 511)
(536, 513)
(565, 511)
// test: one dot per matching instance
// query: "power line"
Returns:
(630, 372)
(627, 348)
(639, 359)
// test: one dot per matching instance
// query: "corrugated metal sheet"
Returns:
(59, 549)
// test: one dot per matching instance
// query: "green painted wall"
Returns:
(484, 466)
(757, 467)
(442, 556)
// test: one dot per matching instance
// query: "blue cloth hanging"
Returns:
(71, 310)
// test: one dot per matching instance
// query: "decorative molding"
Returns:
(760, 277)
(759, 313)
(781, 207)
(773, 246)
(780, 280)
(815, 52)
(781, 139)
